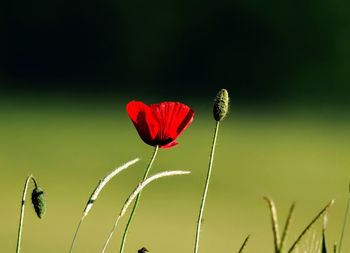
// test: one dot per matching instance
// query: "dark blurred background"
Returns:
(266, 51)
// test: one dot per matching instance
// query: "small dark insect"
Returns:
(143, 250)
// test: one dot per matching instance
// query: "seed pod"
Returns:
(143, 250)
(38, 200)
(220, 107)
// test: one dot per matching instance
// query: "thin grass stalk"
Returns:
(309, 225)
(204, 196)
(286, 227)
(244, 244)
(324, 244)
(345, 221)
(76, 234)
(274, 222)
(103, 183)
(111, 234)
(96, 192)
(136, 193)
(21, 217)
(125, 234)
(312, 244)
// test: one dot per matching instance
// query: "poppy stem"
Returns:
(21, 217)
(204, 195)
(137, 200)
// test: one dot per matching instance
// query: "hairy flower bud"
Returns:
(221, 102)
(38, 200)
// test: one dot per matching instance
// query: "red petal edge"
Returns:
(145, 123)
(173, 118)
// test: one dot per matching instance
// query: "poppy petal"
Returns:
(169, 145)
(173, 118)
(144, 121)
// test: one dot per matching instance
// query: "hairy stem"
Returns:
(204, 195)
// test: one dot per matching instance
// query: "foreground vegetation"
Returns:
(290, 158)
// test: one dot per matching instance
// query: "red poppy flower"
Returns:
(160, 124)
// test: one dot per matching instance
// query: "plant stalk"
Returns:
(134, 195)
(137, 200)
(244, 244)
(345, 222)
(286, 228)
(204, 195)
(21, 217)
(76, 234)
(94, 195)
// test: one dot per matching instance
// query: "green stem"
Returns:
(211, 159)
(137, 200)
(345, 222)
(286, 228)
(75, 234)
(244, 244)
(21, 217)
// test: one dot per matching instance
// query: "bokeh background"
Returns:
(67, 69)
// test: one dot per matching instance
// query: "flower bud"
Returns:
(143, 250)
(221, 102)
(38, 200)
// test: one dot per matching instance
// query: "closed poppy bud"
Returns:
(143, 250)
(38, 200)
(220, 108)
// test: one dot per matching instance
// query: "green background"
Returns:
(288, 153)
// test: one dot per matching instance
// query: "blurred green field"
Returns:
(291, 155)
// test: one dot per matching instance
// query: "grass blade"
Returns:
(102, 183)
(324, 246)
(286, 226)
(310, 224)
(134, 194)
(345, 222)
(244, 244)
(274, 222)
(96, 192)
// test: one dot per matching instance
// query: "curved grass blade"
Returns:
(324, 246)
(309, 225)
(244, 244)
(286, 226)
(274, 222)
(102, 183)
(96, 192)
(134, 194)
(345, 222)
